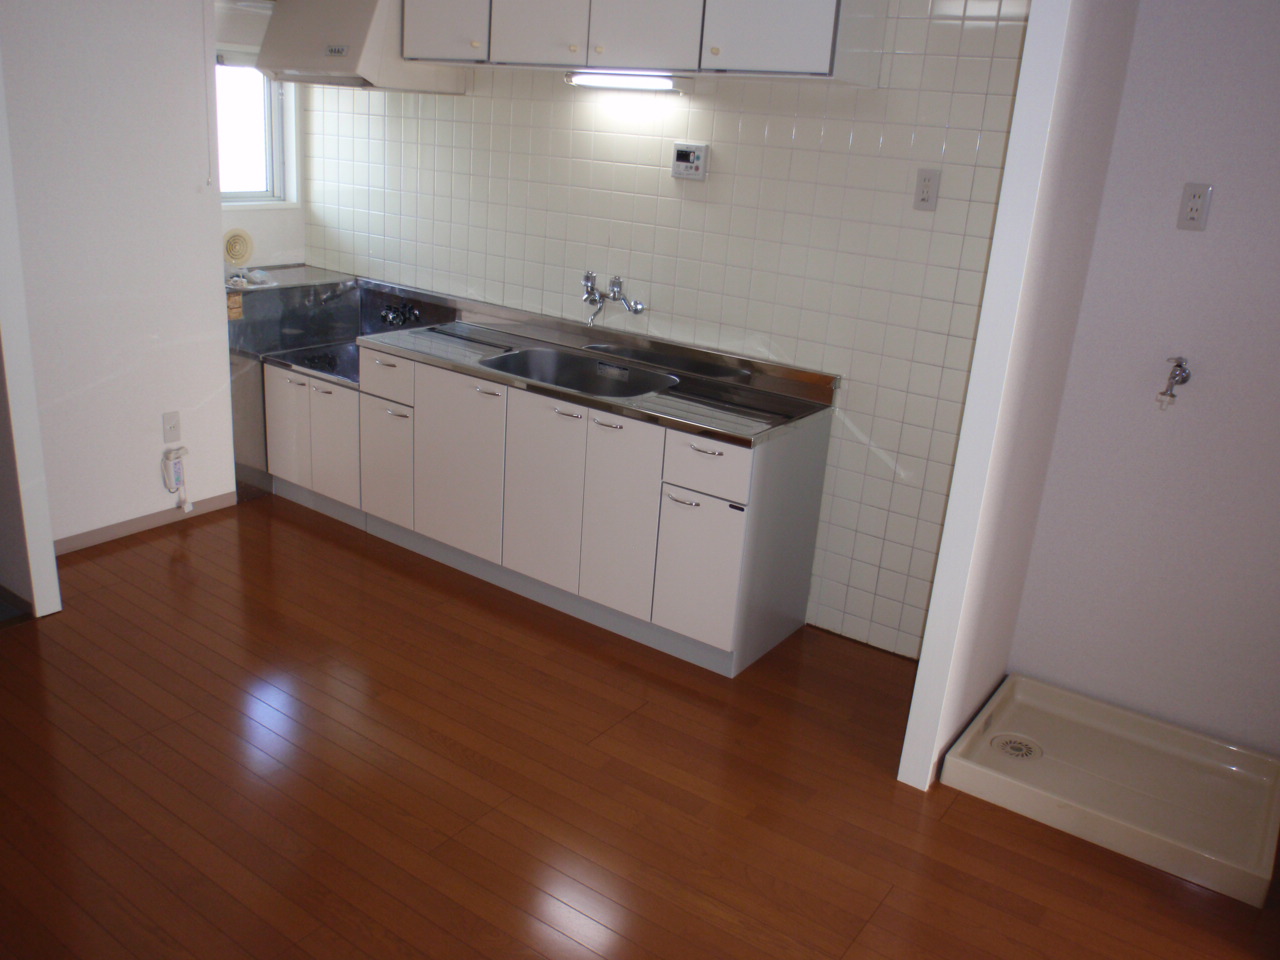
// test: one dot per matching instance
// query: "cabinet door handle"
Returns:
(488, 393)
(327, 393)
(710, 453)
(383, 363)
(575, 416)
(296, 383)
(611, 426)
(402, 416)
(687, 503)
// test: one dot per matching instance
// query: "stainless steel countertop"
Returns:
(752, 397)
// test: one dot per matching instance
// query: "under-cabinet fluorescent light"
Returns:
(622, 81)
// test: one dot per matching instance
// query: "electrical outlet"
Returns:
(1193, 212)
(171, 425)
(926, 197)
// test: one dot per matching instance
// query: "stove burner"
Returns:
(328, 362)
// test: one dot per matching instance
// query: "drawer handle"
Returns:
(575, 416)
(710, 453)
(383, 363)
(611, 426)
(488, 393)
(327, 393)
(687, 503)
(402, 416)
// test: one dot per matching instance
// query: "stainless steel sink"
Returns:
(571, 371)
(674, 361)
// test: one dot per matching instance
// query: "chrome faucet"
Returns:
(615, 294)
(1179, 375)
(591, 295)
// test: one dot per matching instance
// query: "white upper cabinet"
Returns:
(750, 36)
(540, 31)
(457, 30)
(655, 35)
(776, 36)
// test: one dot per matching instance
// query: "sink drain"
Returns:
(1020, 748)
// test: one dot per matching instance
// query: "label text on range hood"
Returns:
(335, 50)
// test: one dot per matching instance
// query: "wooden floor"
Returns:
(262, 734)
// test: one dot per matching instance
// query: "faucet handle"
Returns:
(615, 287)
(589, 280)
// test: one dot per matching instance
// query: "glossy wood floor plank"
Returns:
(263, 735)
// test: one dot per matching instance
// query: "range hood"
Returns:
(352, 43)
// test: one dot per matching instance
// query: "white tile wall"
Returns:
(801, 246)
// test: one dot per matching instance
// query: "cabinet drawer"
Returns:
(708, 466)
(386, 376)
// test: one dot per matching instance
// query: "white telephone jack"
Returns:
(174, 472)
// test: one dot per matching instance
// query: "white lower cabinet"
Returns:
(386, 459)
(620, 512)
(711, 540)
(458, 454)
(697, 587)
(286, 396)
(542, 500)
(313, 434)
(335, 442)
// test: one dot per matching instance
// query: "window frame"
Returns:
(280, 133)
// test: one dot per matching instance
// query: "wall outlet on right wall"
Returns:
(926, 197)
(1193, 211)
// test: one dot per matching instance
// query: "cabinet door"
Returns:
(386, 460)
(285, 395)
(698, 576)
(457, 30)
(655, 35)
(782, 36)
(620, 512)
(542, 502)
(335, 442)
(540, 31)
(458, 453)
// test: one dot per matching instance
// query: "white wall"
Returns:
(119, 224)
(801, 246)
(1152, 581)
(278, 232)
(1060, 146)
(27, 564)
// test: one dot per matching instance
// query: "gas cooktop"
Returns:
(340, 360)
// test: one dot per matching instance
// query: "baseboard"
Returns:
(115, 531)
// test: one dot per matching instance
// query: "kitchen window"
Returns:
(255, 117)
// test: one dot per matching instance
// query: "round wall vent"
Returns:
(237, 247)
(1016, 746)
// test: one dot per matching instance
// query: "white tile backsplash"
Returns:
(801, 246)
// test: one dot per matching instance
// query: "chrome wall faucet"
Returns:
(615, 293)
(592, 296)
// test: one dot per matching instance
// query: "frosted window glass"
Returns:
(244, 131)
